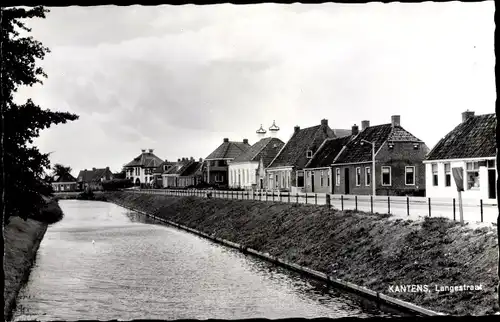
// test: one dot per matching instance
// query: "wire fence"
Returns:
(413, 207)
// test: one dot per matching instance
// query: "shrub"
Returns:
(50, 213)
(116, 184)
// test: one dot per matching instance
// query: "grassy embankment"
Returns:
(21, 242)
(374, 251)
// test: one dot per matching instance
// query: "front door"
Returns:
(312, 181)
(491, 183)
(346, 181)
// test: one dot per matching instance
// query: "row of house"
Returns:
(86, 179)
(385, 159)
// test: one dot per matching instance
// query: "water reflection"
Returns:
(139, 268)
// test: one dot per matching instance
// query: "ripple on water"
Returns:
(137, 269)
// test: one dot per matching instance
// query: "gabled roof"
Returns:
(64, 178)
(327, 152)
(93, 175)
(294, 151)
(179, 167)
(160, 169)
(474, 138)
(358, 151)
(228, 150)
(193, 168)
(145, 160)
(266, 148)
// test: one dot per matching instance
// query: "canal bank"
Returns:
(370, 251)
(21, 242)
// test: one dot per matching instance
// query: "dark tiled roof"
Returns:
(474, 138)
(294, 151)
(357, 152)
(160, 169)
(145, 160)
(93, 175)
(327, 152)
(193, 168)
(341, 132)
(228, 150)
(267, 149)
(65, 178)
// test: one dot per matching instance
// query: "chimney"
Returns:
(324, 122)
(143, 150)
(178, 160)
(296, 129)
(192, 159)
(151, 150)
(201, 160)
(364, 125)
(467, 115)
(107, 168)
(354, 130)
(245, 141)
(395, 120)
(93, 169)
(226, 140)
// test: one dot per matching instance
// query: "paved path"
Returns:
(413, 207)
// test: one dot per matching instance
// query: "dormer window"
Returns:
(415, 146)
(391, 145)
(309, 154)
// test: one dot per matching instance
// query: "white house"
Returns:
(142, 168)
(243, 169)
(471, 146)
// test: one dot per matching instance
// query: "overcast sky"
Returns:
(178, 79)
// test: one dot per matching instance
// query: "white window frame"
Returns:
(382, 176)
(309, 154)
(321, 180)
(337, 177)
(406, 172)
(368, 172)
(358, 176)
(435, 174)
(328, 181)
(447, 173)
(473, 170)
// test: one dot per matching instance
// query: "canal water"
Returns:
(105, 262)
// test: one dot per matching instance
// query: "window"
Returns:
(473, 175)
(490, 164)
(410, 176)
(416, 146)
(309, 154)
(337, 176)
(368, 176)
(358, 176)
(283, 181)
(277, 182)
(447, 174)
(435, 181)
(328, 178)
(386, 176)
(321, 178)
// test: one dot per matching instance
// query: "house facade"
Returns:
(243, 169)
(93, 178)
(399, 168)
(64, 183)
(186, 172)
(141, 169)
(216, 167)
(286, 171)
(318, 171)
(158, 173)
(471, 146)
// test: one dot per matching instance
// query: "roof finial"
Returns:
(261, 130)
(274, 127)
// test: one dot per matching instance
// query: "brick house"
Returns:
(470, 145)
(172, 174)
(93, 178)
(141, 169)
(285, 172)
(158, 172)
(216, 167)
(318, 171)
(399, 169)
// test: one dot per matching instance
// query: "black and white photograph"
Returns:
(242, 161)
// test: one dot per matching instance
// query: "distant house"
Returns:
(65, 182)
(243, 170)
(186, 172)
(286, 171)
(470, 145)
(216, 164)
(318, 171)
(158, 173)
(93, 178)
(141, 169)
(398, 162)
